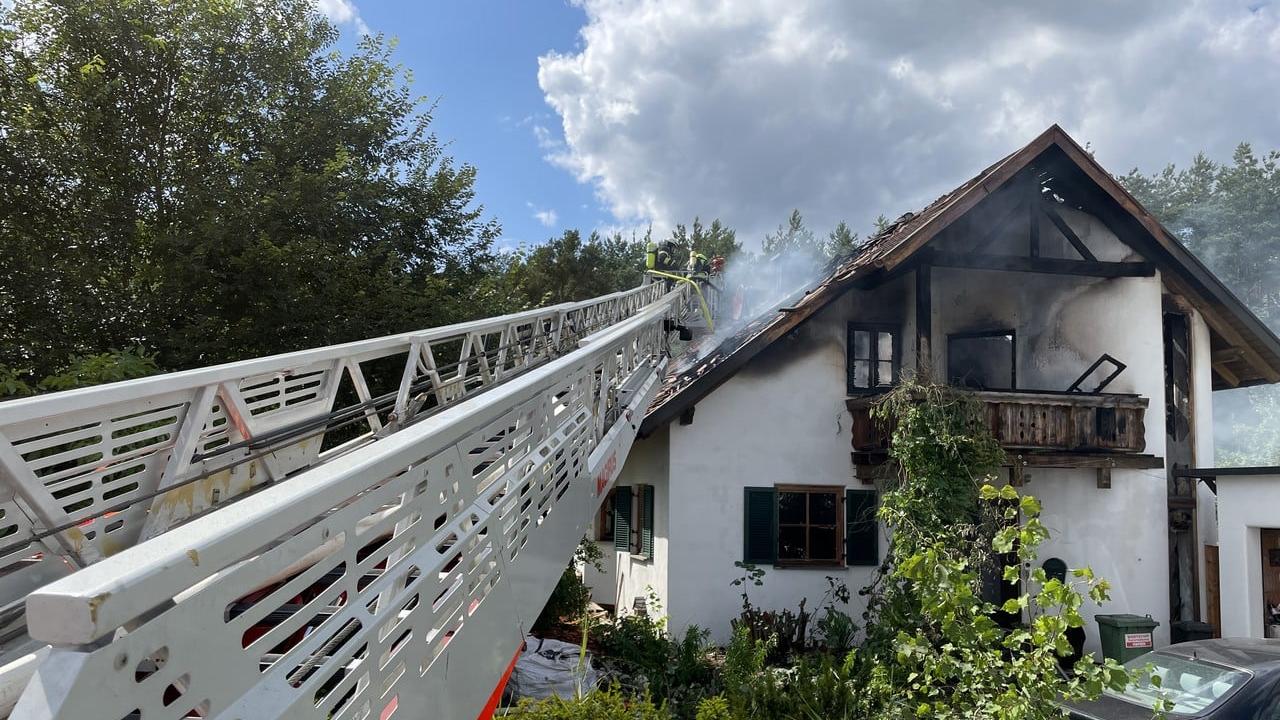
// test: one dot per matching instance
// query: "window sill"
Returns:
(810, 564)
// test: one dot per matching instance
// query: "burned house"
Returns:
(1094, 339)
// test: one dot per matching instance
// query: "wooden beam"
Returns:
(1223, 327)
(1068, 233)
(1130, 461)
(1230, 354)
(1227, 374)
(1033, 217)
(1050, 266)
(1194, 269)
(924, 318)
(965, 199)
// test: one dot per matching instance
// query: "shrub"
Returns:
(816, 685)
(642, 656)
(785, 631)
(605, 704)
(834, 630)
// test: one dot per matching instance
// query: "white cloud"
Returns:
(343, 12)
(748, 108)
(547, 217)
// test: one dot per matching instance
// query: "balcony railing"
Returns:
(1037, 421)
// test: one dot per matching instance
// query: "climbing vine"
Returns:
(936, 645)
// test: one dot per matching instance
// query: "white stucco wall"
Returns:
(1245, 505)
(782, 419)
(625, 576)
(1062, 325)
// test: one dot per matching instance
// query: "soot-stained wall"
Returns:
(782, 420)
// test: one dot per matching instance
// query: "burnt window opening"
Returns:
(982, 361)
(872, 357)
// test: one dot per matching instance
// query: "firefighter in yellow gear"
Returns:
(661, 257)
(698, 265)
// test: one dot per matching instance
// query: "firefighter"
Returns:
(651, 256)
(698, 264)
(660, 257)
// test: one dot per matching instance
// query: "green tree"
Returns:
(1228, 214)
(568, 268)
(795, 236)
(712, 240)
(212, 180)
(841, 241)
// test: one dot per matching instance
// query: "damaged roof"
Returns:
(1245, 351)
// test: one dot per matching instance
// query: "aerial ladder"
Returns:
(363, 531)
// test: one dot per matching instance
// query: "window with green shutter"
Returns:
(760, 526)
(622, 518)
(799, 525)
(862, 531)
(646, 521)
(633, 520)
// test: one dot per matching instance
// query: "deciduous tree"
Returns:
(212, 180)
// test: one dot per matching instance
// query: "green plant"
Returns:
(815, 685)
(589, 553)
(568, 600)
(834, 630)
(934, 647)
(606, 704)
(642, 656)
(12, 385)
(714, 708)
(571, 596)
(785, 630)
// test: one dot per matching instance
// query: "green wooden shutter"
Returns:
(646, 525)
(622, 518)
(862, 530)
(760, 526)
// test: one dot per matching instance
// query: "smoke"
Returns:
(751, 288)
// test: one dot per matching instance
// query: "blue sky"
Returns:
(480, 58)
(657, 111)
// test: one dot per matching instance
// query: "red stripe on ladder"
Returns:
(492, 706)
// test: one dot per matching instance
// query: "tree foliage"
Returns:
(841, 241)
(1228, 214)
(710, 240)
(568, 268)
(211, 180)
(793, 237)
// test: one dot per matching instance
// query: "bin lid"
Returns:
(1125, 620)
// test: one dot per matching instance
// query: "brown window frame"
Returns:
(837, 527)
(874, 385)
(604, 519)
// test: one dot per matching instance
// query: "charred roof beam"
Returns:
(1051, 266)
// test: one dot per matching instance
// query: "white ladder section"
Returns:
(392, 575)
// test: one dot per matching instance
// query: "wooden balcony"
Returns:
(1041, 428)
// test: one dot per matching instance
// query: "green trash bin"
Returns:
(1125, 637)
